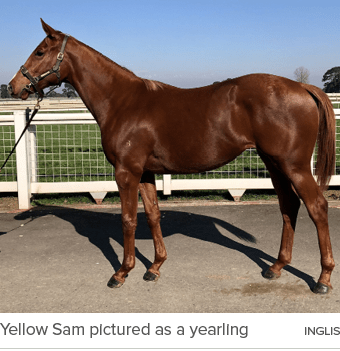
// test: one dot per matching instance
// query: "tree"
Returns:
(4, 92)
(52, 93)
(332, 80)
(302, 75)
(69, 90)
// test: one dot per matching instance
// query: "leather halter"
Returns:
(34, 83)
(55, 69)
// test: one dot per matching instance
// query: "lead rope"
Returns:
(36, 109)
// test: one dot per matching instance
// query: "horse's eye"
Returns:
(39, 53)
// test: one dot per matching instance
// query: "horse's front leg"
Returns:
(147, 188)
(128, 191)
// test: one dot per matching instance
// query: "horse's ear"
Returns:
(50, 32)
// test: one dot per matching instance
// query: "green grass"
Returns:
(61, 199)
(113, 197)
(69, 153)
(7, 141)
(66, 111)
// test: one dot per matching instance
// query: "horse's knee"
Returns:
(129, 222)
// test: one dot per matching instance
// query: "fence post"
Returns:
(312, 162)
(22, 158)
(33, 160)
(167, 184)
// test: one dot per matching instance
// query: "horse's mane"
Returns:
(151, 85)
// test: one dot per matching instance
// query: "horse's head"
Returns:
(42, 67)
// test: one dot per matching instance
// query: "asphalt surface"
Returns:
(59, 260)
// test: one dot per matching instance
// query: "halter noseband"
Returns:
(55, 69)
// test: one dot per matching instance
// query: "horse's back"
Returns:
(218, 122)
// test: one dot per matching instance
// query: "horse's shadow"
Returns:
(100, 227)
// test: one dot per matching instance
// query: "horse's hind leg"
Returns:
(289, 206)
(317, 207)
(148, 191)
(299, 174)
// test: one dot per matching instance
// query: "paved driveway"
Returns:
(60, 259)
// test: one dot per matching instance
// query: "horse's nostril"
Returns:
(9, 89)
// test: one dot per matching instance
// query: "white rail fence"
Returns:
(61, 153)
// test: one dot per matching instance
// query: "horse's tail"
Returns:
(325, 163)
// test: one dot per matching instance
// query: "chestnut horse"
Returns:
(148, 127)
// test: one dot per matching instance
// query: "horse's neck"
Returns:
(102, 84)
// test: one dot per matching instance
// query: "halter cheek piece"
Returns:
(55, 69)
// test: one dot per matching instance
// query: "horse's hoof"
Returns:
(114, 283)
(271, 275)
(150, 277)
(321, 288)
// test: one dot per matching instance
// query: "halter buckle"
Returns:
(24, 70)
(60, 56)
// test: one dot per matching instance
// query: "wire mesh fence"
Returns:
(73, 153)
(246, 165)
(69, 153)
(7, 141)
